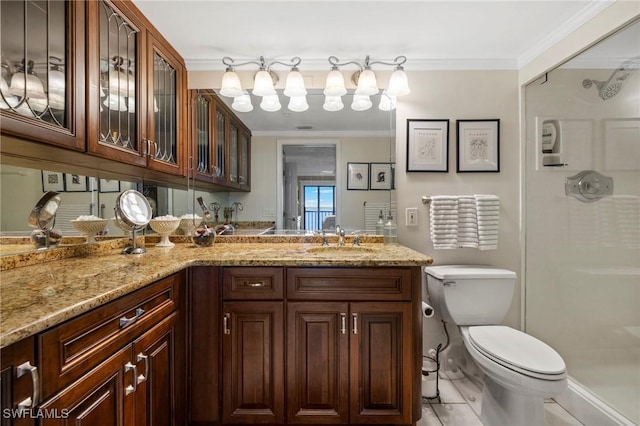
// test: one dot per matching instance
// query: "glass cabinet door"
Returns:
(220, 170)
(163, 110)
(201, 107)
(243, 174)
(233, 153)
(42, 63)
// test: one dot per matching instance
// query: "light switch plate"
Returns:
(412, 216)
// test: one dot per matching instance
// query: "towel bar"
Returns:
(426, 200)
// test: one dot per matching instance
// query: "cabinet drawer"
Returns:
(69, 350)
(253, 283)
(349, 283)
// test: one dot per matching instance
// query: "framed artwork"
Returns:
(358, 176)
(380, 176)
(75, 183)
(478, 145)
(109, 185)
(427, 145)
(52, 181)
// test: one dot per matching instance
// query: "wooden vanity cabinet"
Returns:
(121, 363)
(18, 382)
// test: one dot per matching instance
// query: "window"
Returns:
(319, 203)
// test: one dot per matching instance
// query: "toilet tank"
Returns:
(470, 294)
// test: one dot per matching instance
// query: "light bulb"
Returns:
(270, 103)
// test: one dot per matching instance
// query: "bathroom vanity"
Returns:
(276, 333)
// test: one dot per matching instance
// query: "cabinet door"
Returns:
(244, 173)
(156, 381)
(233, 154)
(221, 144)
(103, 397)
(165, 108)
(18, 383)
(253, 362)
(43, 50)
(317, 363)
(115, 95)
(380, 353)
(202, 135)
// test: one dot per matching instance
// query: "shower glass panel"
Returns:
(583, 254)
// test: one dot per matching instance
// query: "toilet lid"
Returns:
(514, 348)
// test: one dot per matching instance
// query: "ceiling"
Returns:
(446, 34)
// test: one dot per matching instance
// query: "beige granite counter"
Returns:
(36, 297)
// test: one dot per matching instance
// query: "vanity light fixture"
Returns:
(263, 85)
(26, 84)
(365, 80)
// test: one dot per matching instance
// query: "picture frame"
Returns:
(427, 145)
(75, 183)
(52, 181)
(380, 176)
(109, 185)
(478, 143)
(358, 176)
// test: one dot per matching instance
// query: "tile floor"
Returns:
(461, 400)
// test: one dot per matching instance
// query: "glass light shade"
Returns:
(55, 101)
(131, 105)
(270, 103)
(27, 85)
(332, 103)
(11, 101)
(119, 84)
(115, 103)
(387, 102)
(263, 85)
(57, 82)
(231, 86)
(361, 103)
(298, 104)
(398, 83)
(295, 85)
(334, 85)
(367, 84)
(242, 103)
(23, 109)
(155, 105)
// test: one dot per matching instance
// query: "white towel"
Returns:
(444, 221)
(488, 213)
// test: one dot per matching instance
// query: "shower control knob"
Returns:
(588, 186)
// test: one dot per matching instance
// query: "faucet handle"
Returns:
(324, 239)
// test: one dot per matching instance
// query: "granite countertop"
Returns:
(36, 297)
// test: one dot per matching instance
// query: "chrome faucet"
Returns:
(340, 233)
(324, 239)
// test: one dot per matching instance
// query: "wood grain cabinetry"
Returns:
(221, 143)
(120, 364)
(19, 383)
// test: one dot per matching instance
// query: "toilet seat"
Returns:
(517, 351)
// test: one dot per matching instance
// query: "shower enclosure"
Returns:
(582, 251)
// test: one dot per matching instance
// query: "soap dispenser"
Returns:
(390, 234)
(380, 224)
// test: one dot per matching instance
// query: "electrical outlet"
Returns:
(412, 216)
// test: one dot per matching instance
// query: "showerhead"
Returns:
(608, 89)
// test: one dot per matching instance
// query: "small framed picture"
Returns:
(109, 185)
(52, 181)
(427, 145)
(358, 176)
(478, 145)
(380, 176)
(75, 183)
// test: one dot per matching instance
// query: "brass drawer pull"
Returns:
(124, 321)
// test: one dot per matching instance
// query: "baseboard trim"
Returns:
(586, 407)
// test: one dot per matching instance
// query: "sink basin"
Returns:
(338, 249)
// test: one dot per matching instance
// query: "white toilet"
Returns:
(520, 370)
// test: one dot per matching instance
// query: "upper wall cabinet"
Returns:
(42, 89)
(221, 143)
(137, 90)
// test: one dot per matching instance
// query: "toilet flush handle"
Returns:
(449, 283)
